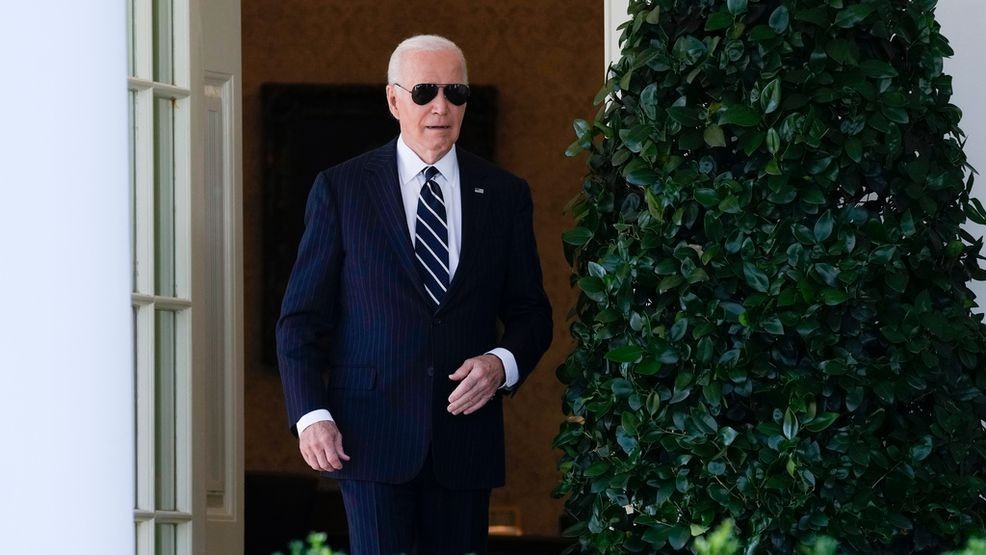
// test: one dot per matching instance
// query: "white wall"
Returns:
(963, 22)
(66, 432)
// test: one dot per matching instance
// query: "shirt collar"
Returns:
(409, 164)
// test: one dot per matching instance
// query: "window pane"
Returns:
(163, 35)
(164, 197)
(136, 382)
(132, 135)
(164, 543)
(164, 413)
(130, 38)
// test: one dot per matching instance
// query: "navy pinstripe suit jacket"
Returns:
(358, 337)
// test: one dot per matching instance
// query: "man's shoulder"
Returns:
(480, 166)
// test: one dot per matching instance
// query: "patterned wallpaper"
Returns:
(546, 58)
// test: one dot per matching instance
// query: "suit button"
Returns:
(430, 371)
(438, 321)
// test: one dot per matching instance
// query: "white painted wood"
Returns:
(161, 90)
(218, 278)
(614, 15)
(169, 303)
(65, 347)
(143, 49)
(215, 310)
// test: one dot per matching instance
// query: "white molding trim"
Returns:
(161, 90)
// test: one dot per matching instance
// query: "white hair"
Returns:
(426, 43)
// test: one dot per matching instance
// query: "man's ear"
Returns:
(392, 102)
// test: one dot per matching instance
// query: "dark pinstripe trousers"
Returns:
(418, 517)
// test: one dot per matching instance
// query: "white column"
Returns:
(614, 15)
(66, 469)
(962, 23)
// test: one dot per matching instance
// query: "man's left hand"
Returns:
(480, 377)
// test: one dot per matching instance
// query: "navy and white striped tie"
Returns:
(431, 238)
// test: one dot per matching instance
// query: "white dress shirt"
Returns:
(409, 171)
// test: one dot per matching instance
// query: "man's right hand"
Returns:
(321, 446)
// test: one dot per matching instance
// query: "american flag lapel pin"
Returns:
(479, 190)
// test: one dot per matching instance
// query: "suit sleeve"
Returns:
(524, 308)
(308, 309)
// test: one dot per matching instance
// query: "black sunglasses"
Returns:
(423, 93)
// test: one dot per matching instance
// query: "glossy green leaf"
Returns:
(621, 387)
(714, 136)
(755, 278)
(817, 15)
(779, 19)
(877, 69)
(790, 424)
(578, 236)
(823, 226)
(597, 469)
(822, 421)
(594, 288)
(718, 20)
(728, 435)
(736, 7)
(854, 149)
(707, 197)
(896, 281)
(853, 15)
(678, 329)
(854, 397)
(774, 143)
(687, 117)
(739, 114)
(922, 449)
(596, 270)
(773, 325)
(730, 205)
(832, 296)
(770, 97)
(680, 534)
(842, 51)
(625, 353)
(648, 367)
(689, 49)
(654, 16)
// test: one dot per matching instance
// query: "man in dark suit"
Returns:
(388, 344)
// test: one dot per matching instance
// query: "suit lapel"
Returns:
(383, 185)
(473, 193)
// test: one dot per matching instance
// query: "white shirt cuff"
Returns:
(509, 366)
(317, 415)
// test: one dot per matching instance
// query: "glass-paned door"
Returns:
(160, 148)
(186, 281)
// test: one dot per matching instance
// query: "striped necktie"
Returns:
(431, 238)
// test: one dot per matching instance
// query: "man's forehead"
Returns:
(431, 60)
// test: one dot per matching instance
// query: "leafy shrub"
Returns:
(774, 325)
(723, 541)
(314, 545)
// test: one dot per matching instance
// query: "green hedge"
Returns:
(774, 324)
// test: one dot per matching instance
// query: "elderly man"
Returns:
(389, 351)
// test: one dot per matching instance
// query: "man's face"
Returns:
(432, 129)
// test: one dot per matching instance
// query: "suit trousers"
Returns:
(418, 517)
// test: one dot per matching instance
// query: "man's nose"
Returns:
(440, 104)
